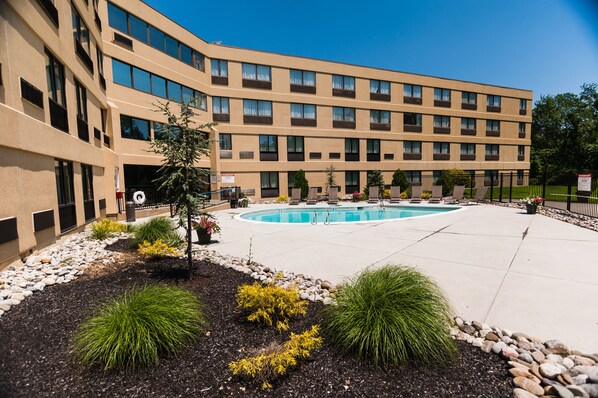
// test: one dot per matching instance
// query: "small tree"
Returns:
(330, 179)
(399, 179)
(181, 145)
(375, 179)
(299, 181)
(449, 178)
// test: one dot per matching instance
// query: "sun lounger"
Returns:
(312, 198)
(373, 198)
(436, 196)
(457, 196)
(295, 196)
(416, 194)
(395, 194)
(333, 196)
(480, 195)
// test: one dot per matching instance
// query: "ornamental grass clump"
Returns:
(271, 304)
(106, 228)
(391, 316)
(157, 228)
(158, 249)
(265, 365)
(135, 329)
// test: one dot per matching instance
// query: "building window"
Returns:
(219, 67)
(220, 105)
(268, 147)
(520, 174)
(442, 148)
(257, 72)
(295, 149)
(343, 114)
(81, 101)
(164, 131)
(55, 77)
(442, 121)
(490, 177)
(134, 128)
(442, 94)
(373, 150)
(146, 33)
(257, 108)
(468, 123)
(269, 184)
(467, 149)
(81, 31)
(414, 147)
(469, 98)
(379, 117)
(352, 149)
(225, 142)
(303, 78)
(494, 100)
(520, 152)
(351, 182)
(66, 194)
(303, 111)
(139, 79)
(412, 91)
(100, 61)
(492, 149)
(412, 119)
(379, 87)
(521, 130)
(436, 176)
(88, 203)
(414, 177)
(523, 104)
(346, 83)
(493, 126)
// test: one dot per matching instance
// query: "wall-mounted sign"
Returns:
(584, 182)
(227, 178)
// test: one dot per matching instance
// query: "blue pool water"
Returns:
(343, 214)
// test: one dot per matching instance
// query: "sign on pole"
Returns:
(584, 182)
(228, 178)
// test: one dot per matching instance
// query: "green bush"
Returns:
(136, 328)
(106, 227)
(391, 316)
(375, 179)
(400, 179)
(449, 178)
(157, 228)
(299, 181)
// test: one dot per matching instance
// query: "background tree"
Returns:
(330, 178)
(399, 179)
(375, 179)
(449, 178)
(182, 143)
(299, 181)
(565, 133)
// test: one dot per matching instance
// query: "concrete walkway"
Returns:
(525, 273)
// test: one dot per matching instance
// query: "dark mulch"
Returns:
(36, 357)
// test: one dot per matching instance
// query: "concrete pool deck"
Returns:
(527, 273)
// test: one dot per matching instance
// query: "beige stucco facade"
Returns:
(30, 144)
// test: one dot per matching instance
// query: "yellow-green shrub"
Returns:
(282, 198)
(274, 361)
(386, 194)
(271, 304)
(107, 227)
(426, 195)
(157, 249)
(404, 195)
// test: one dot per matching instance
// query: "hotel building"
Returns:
(78, 80)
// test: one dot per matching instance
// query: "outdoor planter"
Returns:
(203, 237)
(531, 209)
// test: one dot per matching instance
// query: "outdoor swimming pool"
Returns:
(343, 214)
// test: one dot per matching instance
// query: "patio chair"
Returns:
(436, 196)
(395, 194)
(373, 198)
(458, 195)
(480, 195)
(312, 197)
(416, 194)
(295, 196)
(333, 196)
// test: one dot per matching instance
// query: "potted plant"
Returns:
(205, 226)
(531, 204)
(357, 196)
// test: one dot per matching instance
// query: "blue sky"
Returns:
(548, 46)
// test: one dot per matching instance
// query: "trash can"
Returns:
(130, 206)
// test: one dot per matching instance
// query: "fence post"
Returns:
(491, 186)
(569, 192)
(544, 186)
(501, 185)
(471, 184)
(511, 187)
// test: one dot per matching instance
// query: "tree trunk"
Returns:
(189, 256)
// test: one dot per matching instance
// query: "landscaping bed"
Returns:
(37, 359)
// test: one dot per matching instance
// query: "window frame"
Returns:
(344, 82)
(303, 79)
(78, 32)
(378, 83)
(412, 90)
(221, 72)
(54, 69)
(444, 94)
(132, 124)
(81, 95)
(219, 106)
(469, 94)
(225, 144)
